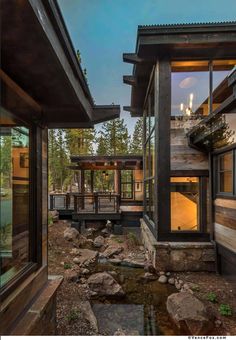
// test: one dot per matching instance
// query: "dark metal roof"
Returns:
(194, 24)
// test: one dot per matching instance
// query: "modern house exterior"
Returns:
(108, 188)
(42, 86)
(183, 84)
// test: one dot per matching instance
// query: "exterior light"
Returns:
(181, 107)
(188, 112)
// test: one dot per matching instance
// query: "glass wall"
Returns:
(184, 204)
(189, 88)
(149, 154)
(127, 184)
(14, 196)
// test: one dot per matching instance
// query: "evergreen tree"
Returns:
(136, 147)
(58, 159)
(114, 138)
(80, 141)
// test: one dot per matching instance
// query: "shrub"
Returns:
(195, 288)
(67, 266)
(225, 310)
(73, 315)
(50, 220)
(212, 297)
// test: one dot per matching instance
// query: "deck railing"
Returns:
(94, 203)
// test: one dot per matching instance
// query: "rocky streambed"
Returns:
(110, 288)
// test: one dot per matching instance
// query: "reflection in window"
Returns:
(189, 88)
(226, 172)
(14, 197)
(184, 203)
(103, 181)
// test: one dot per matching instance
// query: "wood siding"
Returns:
(225, 222)
(182, 156)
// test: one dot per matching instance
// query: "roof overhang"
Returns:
(38, 55)
(175, 42)
(116, 162)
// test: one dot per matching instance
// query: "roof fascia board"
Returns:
(52, 37)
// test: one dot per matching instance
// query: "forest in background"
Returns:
(112, 139)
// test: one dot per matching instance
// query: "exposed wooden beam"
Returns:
(132, 58)
(101, 113)
(130, 80)
(135, 112)
(20, 92)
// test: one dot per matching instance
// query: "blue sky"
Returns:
(104, 29)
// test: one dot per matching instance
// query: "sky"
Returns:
(102, 30)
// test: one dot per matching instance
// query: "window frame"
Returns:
(216, 172)
(149, 177)
(35, 208)
(131, 182)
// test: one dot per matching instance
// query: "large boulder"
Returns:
(88, 314)
(86, 257)
(99, 242)
(71, 234)
(112, 250)
(189, 314)
(105, 285)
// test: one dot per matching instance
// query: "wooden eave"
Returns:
(118, 162)
(38, 55)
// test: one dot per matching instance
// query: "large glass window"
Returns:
(189, 88)
(127, 185)
(14, 197)
(184, 204)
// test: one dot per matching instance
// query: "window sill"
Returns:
(17, 280)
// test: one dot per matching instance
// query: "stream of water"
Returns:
(143, 309)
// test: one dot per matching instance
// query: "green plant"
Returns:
(195, 288)
(225, 310)
(50, 219)
(73, 315)
(118, 240)
(67, 266)
(211, 296)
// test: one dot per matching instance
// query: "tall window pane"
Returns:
(14, 197)
(190, 88)
(184, 203)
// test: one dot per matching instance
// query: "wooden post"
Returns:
(82, 190)
(92, 180)
(75, 204)
(51, 201)
(162, 110)
(96, 202)
(67, 201)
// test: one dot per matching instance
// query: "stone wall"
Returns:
(178, 256)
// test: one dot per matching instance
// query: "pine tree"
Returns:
(80, 141)
(136, 147)
(58, 159)
(114, 138)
